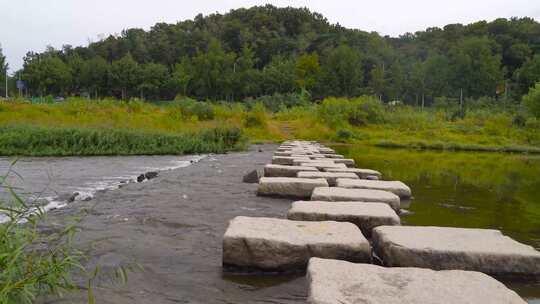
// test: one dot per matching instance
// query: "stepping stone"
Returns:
(483, 250)
(333, 155)
(333, 281)
(347, 161)
(364, 215)
(284, 245)
(323, 165)
(331, 177)
(252, 177)
(396, 187)
(289, 186)
(362, 173)
(317, 160)
(287, 160)
(285, 171)
(335, 194)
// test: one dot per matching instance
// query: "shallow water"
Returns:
(55, 179)
(465, 189)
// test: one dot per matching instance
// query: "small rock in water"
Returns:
(405, 212)
(372, 177)
(71, 199)
(140, 178)
(260, 150)
(151, 175)
(252, 177)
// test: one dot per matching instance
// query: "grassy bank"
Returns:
(86, 127)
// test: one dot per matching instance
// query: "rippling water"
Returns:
(54, 179)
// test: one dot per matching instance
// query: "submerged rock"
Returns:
(141, 178)
(151, 175)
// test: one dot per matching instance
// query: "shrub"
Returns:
(256, 117)
(343, 135)
(278, 102)
(531, 101)
(190, 108)
(338, 112)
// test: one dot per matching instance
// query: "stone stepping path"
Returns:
(286, 171)
(362, 173)
(396, 187)
(287, 160)
(365, 215)
(334, 194)
(285, 245)
(332, 281)
(331, 177)
(320, 164)
(289, 186)
(483, 250)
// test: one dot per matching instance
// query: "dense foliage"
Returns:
(267, 50)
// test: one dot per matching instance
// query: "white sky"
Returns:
(33, 24)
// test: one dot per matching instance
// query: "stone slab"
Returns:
(322, 165)
(284, 245)
(347, 161)
(285, 171)
(331, 177)
(333, 281)
(289, 186)
(396, 187)
(483, 250)
(364, 215)
(335, 194)
(362, 173)
(286, 160)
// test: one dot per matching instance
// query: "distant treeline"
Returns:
(266, 50)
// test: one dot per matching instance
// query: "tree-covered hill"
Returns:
(266, 50)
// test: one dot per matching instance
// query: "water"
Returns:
(466, 189)
(53, 180)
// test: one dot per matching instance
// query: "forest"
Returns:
(266, 50)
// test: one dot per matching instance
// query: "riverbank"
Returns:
(110, 127)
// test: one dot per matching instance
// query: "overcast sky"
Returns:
(33, 24)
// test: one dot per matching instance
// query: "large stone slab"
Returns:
(321, 165)
(333, 281)
(289, 186)
(483, 250)
(335, 194)
(346, 161)
(331, 177)
(362, 173)
(287, 160)
(284, 245)
(364, 215)
(396, 187)
(285, 171)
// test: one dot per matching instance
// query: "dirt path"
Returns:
(173, 227)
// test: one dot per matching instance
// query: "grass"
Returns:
(89, 127)
(33, 262)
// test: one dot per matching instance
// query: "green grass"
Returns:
(33, 262)
(89, 127)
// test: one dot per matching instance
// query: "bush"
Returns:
(190, 108)
(343, 135)
(278, 102)
(531, 101)
(338, 112)
(256, 117)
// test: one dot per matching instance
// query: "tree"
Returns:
(528, 74)
(183, 75)
(532, 100)
(279, 76)
(342, 72)
(475, 67)
(307, 71)
(153, 77)
(94, 75)
(124, 75)
(3, 69)
(377, 81)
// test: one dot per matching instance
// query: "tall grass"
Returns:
(33, 262)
